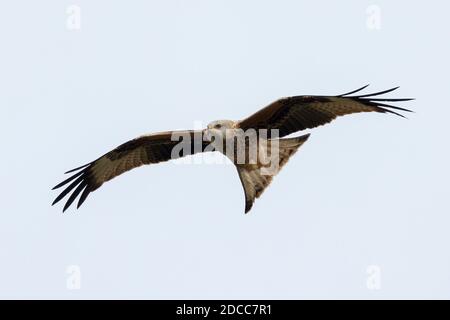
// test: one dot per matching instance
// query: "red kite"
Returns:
(283, 117)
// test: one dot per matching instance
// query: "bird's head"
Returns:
(219, 128)
(222, 125)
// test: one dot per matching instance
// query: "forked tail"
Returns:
(255, 179)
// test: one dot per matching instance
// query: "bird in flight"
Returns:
(254, 159)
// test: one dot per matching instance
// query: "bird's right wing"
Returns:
(297, 113)
(149, 149)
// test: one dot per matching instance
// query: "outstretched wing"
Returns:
(293, 114)
(148, 149)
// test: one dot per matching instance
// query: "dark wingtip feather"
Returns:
(68, 189)
(83, 197)
(354, 91)
(74, 195)
(65, 208)
(370, 100)
(68, 180)
(393, 112)
(392, 107)
(376, 93)
(73, 170)
(391, 100)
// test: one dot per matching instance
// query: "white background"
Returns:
(366, 190)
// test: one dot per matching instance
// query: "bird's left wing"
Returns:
(149, 149)
(293, 114)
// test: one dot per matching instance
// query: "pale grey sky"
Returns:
(361, 211)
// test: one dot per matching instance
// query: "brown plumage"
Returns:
(298, 113)
(287, 115)
(252, 178)
(150, 149)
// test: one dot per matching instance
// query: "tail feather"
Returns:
(255, 180)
